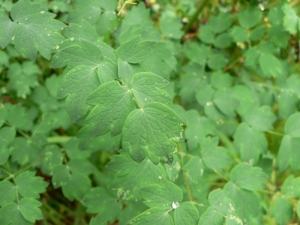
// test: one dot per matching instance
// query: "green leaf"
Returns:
(170, 25)
(3, 114)
(290, 19)
(161, 195)
(252, 56)
(214, 157)
(75, 86)
(30, 186)
(233, 219)
(194, 169)
(60, 176)
(282, 210)
(153, 131)
(298, 209)
(291, 187)
(131, 176)
(206, 34)
(270, 65)
(220, 202)
(248, 177)
(211, 217)
(10, 214)
(249, 17)
(22, 77)
(292, 124)
(7, 30)
(35, 29)
(223, 40)
(113, 103)
(51, 158)
(252, 146)
(257, 33)
(7, 192)
(146, 88)
(29, 209)
(261, 118)
(152, 216)
(99, 200)
(135, 50)
(239, 34)
(221, 22)
(217, 61)
(225, 102)
(288, 154)
(246, 202)
(7, 135)
(186, 213)
(221, 80)
(78, 180)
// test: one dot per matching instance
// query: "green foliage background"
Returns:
(149, 112)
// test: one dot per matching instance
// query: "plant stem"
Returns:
(195, 16)
(188, 188)
(58, 139)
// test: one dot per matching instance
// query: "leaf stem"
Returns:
(195, 16)
(59, 139)
(228, 144)
(126, 3)
(188, 188)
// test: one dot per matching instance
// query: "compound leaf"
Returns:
(10, 214)
(153, 131)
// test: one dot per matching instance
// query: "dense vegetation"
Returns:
(149, 112)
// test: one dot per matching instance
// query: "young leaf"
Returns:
(153, 131)
(30, 186)
(248, 177)
(161, 195)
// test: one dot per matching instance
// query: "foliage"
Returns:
(149, 112)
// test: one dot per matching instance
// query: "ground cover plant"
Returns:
(149, 112)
